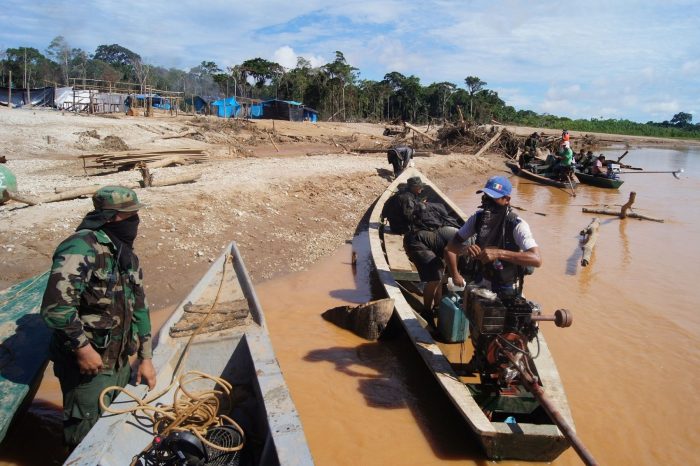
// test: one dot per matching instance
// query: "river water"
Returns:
(628, 363)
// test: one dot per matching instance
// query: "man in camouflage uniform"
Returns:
(95, 303)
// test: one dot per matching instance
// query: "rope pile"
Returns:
(192, 411)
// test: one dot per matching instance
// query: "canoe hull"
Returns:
(599, 181)
(531, 442)
(243, 355)
(527, 174)
(24, 340)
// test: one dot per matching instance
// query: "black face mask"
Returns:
(492, 223)
(123, 233)
(124, 230)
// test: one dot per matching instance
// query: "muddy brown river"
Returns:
(629, 362)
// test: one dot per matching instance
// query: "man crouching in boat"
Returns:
(504, 245)
(96, 305)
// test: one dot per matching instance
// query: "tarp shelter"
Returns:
(226, 108)
(276, 109)
(156, 101)
(310, 115)
(40, 97)
(200, 105)
(102, 101)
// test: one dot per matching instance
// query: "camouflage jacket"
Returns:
(88, 299)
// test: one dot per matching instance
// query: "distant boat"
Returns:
(502, 432)
(240, 352)
(24, 347)
(530, 175)
(599, 181)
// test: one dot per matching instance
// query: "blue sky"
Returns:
(638, 60)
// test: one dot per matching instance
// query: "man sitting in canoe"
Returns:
(504, 244)
(96, 306)
(598, 168)
(398, 210)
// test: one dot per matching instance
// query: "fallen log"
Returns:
(623, 211)
(490, 143)
(427, 136)
(24, 198)
(175, 160)
(589, 236)
(181, 135)
(366, 320)
(90, 190)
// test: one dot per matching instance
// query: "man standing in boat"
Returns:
(95, 303)
(504, 244)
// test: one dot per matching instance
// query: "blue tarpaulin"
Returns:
(226, 108)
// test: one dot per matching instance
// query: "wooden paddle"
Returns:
(571, 184)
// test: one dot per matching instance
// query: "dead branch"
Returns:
(623, 211)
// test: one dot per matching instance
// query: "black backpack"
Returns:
(431, 216)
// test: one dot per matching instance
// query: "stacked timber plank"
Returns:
(129, 158)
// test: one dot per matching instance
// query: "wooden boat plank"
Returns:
(400, 264)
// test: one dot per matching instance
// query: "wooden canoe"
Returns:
(530, 442)
(24, 346)
(599, 181)
(527, 174)
(242, 355)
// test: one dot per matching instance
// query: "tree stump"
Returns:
(366, 320)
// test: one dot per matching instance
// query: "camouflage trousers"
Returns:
(81, 406)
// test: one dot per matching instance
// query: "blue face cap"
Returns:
(497, 187)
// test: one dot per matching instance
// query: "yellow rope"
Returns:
(195, 412)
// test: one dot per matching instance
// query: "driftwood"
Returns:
(272, 141)
(337, 144)
(427, 136)
(90, 190)
(623, 211)
(182, 135)
(222, 316)
(366, 320)
(485, 147)
(589, 236)
(175, 160)
(146, 175)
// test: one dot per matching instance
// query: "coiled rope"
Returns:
(191, 411)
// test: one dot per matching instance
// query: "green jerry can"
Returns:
(452, 323)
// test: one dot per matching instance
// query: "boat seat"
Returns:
(401, 267)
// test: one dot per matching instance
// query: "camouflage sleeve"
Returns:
(72, 264)
(142, 318)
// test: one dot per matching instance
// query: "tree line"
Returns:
(335, 89)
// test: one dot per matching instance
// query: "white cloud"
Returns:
(287, 57)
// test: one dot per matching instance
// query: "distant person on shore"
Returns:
(96, 305)
(504, 244)
(399, 157)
